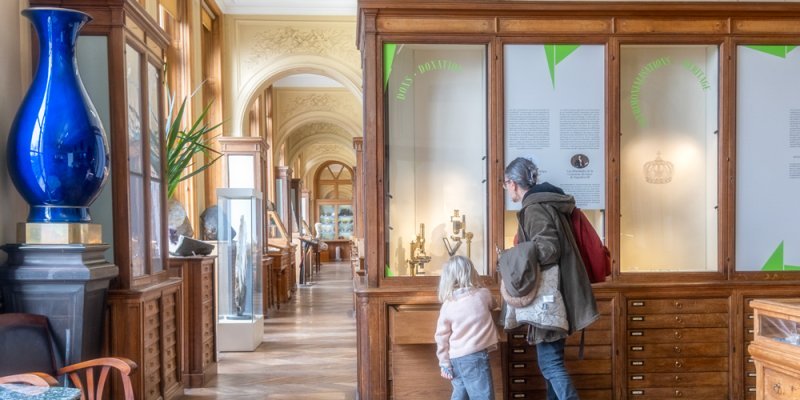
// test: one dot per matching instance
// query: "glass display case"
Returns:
(241, 320)
(668, 158)
(554, 100)
(435, 98)
(775, 349)
(276, 231)
(335, 221)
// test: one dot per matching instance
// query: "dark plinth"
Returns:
(66, 283)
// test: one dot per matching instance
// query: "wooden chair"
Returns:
(32, 333)
(31, 378)
(91, 376)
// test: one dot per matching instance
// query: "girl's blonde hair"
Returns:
(457, 273)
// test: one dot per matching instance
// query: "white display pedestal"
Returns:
(244, 335)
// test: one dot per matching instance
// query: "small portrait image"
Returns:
(579, 161)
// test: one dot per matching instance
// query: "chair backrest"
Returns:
(31, 378)
(26, 345)
(91, 376)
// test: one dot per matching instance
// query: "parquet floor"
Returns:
(309, 348)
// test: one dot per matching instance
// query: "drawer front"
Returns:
(675, 380)
(521, 384)
(675, 350)
(644, 321)
(584, 395)
(574, 367)
(780, 386)
(688, 335)
(520, 353)
(522, 368)
(704, 393)
(667, 306)
(694, 364)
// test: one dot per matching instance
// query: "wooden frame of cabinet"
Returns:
(722, 289)
(145, 303)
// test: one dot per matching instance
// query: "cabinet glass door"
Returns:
(668, 158)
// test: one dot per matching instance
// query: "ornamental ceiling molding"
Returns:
(290, 103)
(315, 129)
(270, 43)
(336, 143)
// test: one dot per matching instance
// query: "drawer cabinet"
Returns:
(677, 347)
(775, 348)
(592, 375)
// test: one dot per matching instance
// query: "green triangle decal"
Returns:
(387, 272)
(775, 50)
(389, 50)
(555, 54)
(775, 261)
(791, 267)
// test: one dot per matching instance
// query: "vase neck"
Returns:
(57, 30)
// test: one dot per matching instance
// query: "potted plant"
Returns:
(183, 143)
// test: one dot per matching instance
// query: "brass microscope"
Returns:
(418, 256)
(459, 235)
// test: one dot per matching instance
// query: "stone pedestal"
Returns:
(67, 284)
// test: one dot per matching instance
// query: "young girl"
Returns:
(465, 332)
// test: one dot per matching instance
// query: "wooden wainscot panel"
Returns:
(429, 25)
(771, 26)
(412, 324)
(415, 373)
(550, 26)
(704, 26)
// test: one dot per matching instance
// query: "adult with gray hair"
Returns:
(544, 219)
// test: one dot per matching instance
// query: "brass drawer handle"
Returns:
(677, 378)
(678, 320)
(678, 393)
(678, 334)
(676, 349)
(678, 364)
(776, 388)
(678, 305)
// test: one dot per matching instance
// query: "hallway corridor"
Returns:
(309, 348)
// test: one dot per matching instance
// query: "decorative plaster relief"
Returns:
(278, 41)
(291, 103)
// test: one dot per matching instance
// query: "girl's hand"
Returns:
(447, 373)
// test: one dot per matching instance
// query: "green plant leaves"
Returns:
(184, 144)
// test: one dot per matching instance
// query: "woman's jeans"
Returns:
(551, 363)
(472, 377)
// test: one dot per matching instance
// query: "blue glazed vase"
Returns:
(57, 149)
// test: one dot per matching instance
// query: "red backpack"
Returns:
(595, 255)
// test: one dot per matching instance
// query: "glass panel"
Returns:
(156, 236)
(779, 329)
(326, 174)
(136, 205)
(345, 192)
(336, 169)
(767, 123)
(345, 175)
(326, 228)
(327, 192)
(436, 134)
(154, 123)
(133, 79)
(668, 158)
(279, 194)
(276, 230)
(345, 222)
(239, 255)
(555, 115)
(241, 171)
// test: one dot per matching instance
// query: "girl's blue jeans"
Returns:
(551, 363)
(472, 377)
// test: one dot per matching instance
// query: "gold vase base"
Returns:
(59, 233)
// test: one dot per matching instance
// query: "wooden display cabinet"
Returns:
(776, 348)
(675, 315)
(199, 318)
(145, 303)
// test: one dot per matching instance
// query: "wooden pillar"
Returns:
(358, 186)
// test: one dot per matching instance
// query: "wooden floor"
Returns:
(309, 348)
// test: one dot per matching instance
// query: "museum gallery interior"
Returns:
(178, 174)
